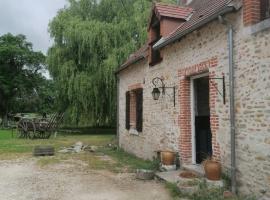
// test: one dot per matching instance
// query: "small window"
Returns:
(154, 55)
(134, 109)
(265, 9)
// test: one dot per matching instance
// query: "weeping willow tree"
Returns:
(91, 39)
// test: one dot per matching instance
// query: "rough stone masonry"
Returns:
(169, 127)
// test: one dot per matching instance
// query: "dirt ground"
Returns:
(23, 179)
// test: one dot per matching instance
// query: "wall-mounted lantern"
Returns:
(156, 92)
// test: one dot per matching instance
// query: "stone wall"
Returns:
(160, 128)
(252, 75)
(161, 119)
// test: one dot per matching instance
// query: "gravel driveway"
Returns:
(25, 180)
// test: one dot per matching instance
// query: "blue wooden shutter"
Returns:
(139, 110)
(128, 110)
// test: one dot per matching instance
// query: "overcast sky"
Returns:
(31, 18)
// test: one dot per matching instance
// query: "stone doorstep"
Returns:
(169, 176)
(173, 176)
(184, 183)
(197, 169)
(168, 168)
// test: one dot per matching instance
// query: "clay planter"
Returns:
(167, 157)
(212, 170)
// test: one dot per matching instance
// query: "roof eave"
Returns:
(226, 10)
(124, 66)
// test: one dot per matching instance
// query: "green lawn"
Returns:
(16, 146)
(13, 147)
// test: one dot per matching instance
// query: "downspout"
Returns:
(232, 108)
(232, 103)
(117, 107)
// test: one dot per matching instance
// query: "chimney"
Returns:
(251, 12)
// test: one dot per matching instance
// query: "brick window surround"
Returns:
(135, 107)
(184, 119)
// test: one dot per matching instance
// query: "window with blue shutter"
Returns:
(128, 110)
(139, 110)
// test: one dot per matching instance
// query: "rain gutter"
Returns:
(124, 66)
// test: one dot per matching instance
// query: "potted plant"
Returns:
(212, 169)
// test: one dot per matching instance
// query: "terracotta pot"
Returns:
(212, 170)
(167, 157)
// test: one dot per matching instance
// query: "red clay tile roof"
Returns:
(195, 4)
(197, 15)
(203, 12)
(173, 11)
(135, 57)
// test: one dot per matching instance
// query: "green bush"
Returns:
(174, 190)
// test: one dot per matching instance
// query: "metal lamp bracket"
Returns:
(158, 83)
(223, 93)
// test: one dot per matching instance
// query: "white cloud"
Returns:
(31, 18)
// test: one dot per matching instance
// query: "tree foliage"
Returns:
(20, 78)
(41, 99)
(91, 39)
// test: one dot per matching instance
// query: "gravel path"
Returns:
(25, 180)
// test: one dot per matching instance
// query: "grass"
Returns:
(91, 130)
(203, 193)
(206, 193)
(12, 145)
(124, 159)
(105, 158)
(44, 161)
(174, 190)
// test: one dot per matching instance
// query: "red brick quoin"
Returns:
(184, 119)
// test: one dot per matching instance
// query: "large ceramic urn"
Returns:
(167, 157)
(212, 170)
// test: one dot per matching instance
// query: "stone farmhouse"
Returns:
(201, 86)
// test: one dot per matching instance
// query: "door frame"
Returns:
(192, 107)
